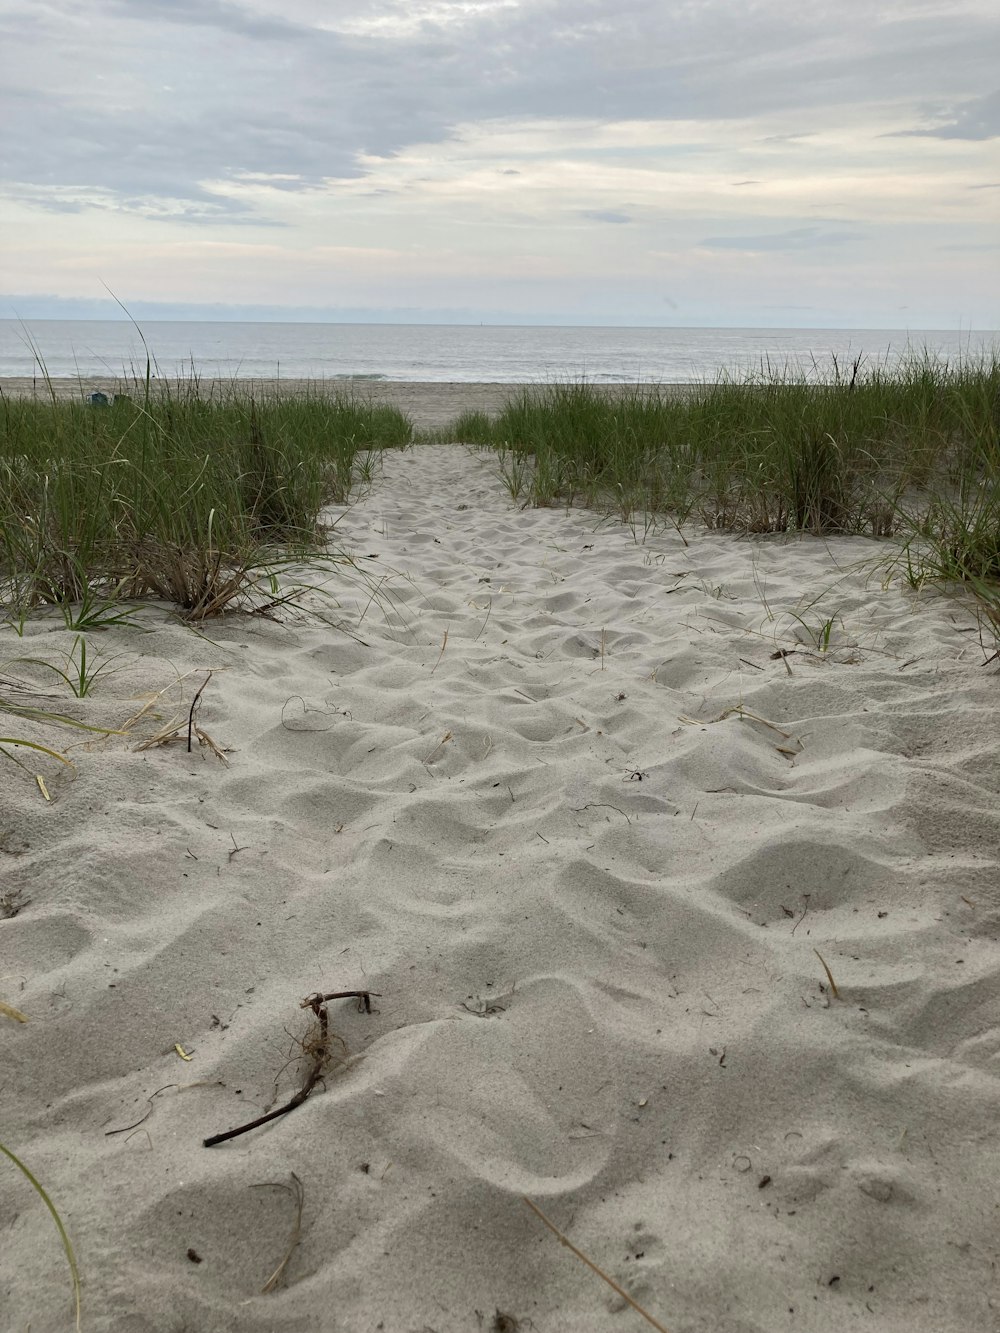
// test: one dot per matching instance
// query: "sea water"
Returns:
(88, 349)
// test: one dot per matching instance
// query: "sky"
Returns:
(747, 163)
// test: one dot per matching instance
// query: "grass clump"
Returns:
(911, 453)
(195, 499)
(872, 453)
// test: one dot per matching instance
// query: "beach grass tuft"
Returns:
(910, 452)
(209, 499)
(174, 493)
(773, 452)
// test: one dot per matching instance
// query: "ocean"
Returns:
(87, 349)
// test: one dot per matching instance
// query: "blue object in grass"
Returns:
(98, 399)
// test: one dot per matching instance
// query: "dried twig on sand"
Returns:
(317, 1047)
(194, 705)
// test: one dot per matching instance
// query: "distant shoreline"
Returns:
(429, 404)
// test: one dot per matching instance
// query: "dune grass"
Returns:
(171, 494)
(768, 453)
(912, 453)
(204, 499)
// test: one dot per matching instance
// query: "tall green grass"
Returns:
(171, 493)
(875, 453)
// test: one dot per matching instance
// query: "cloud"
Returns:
(32, 306)
(604, 215)
(162, 95)
(234, 19)
(494, 141)
(977, 119)
(798, 238)
(81, 198)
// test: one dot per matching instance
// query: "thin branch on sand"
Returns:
(194, 705)
(318, 1050)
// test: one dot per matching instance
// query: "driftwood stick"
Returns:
(319, 1052)
(297, 1100)
(194, 705)
(311, 1001)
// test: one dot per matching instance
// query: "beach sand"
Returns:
(429, 405)
(589, 814)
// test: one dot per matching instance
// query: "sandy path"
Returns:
(586, 856)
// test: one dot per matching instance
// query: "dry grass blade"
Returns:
(444, 645)
(564, 1240)
(176, 730)
(742, 713)
(440, 745)
(167, 733)
(9, 1011)
(298, 1193)
(44, 716)
(27, 687)
(127, 1129)
(205, 740)
(739, 711)
(829, 975)
(152, 702)
(67, 1244)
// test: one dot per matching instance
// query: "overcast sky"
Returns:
(719, 162)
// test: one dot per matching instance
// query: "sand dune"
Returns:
(564, 804)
